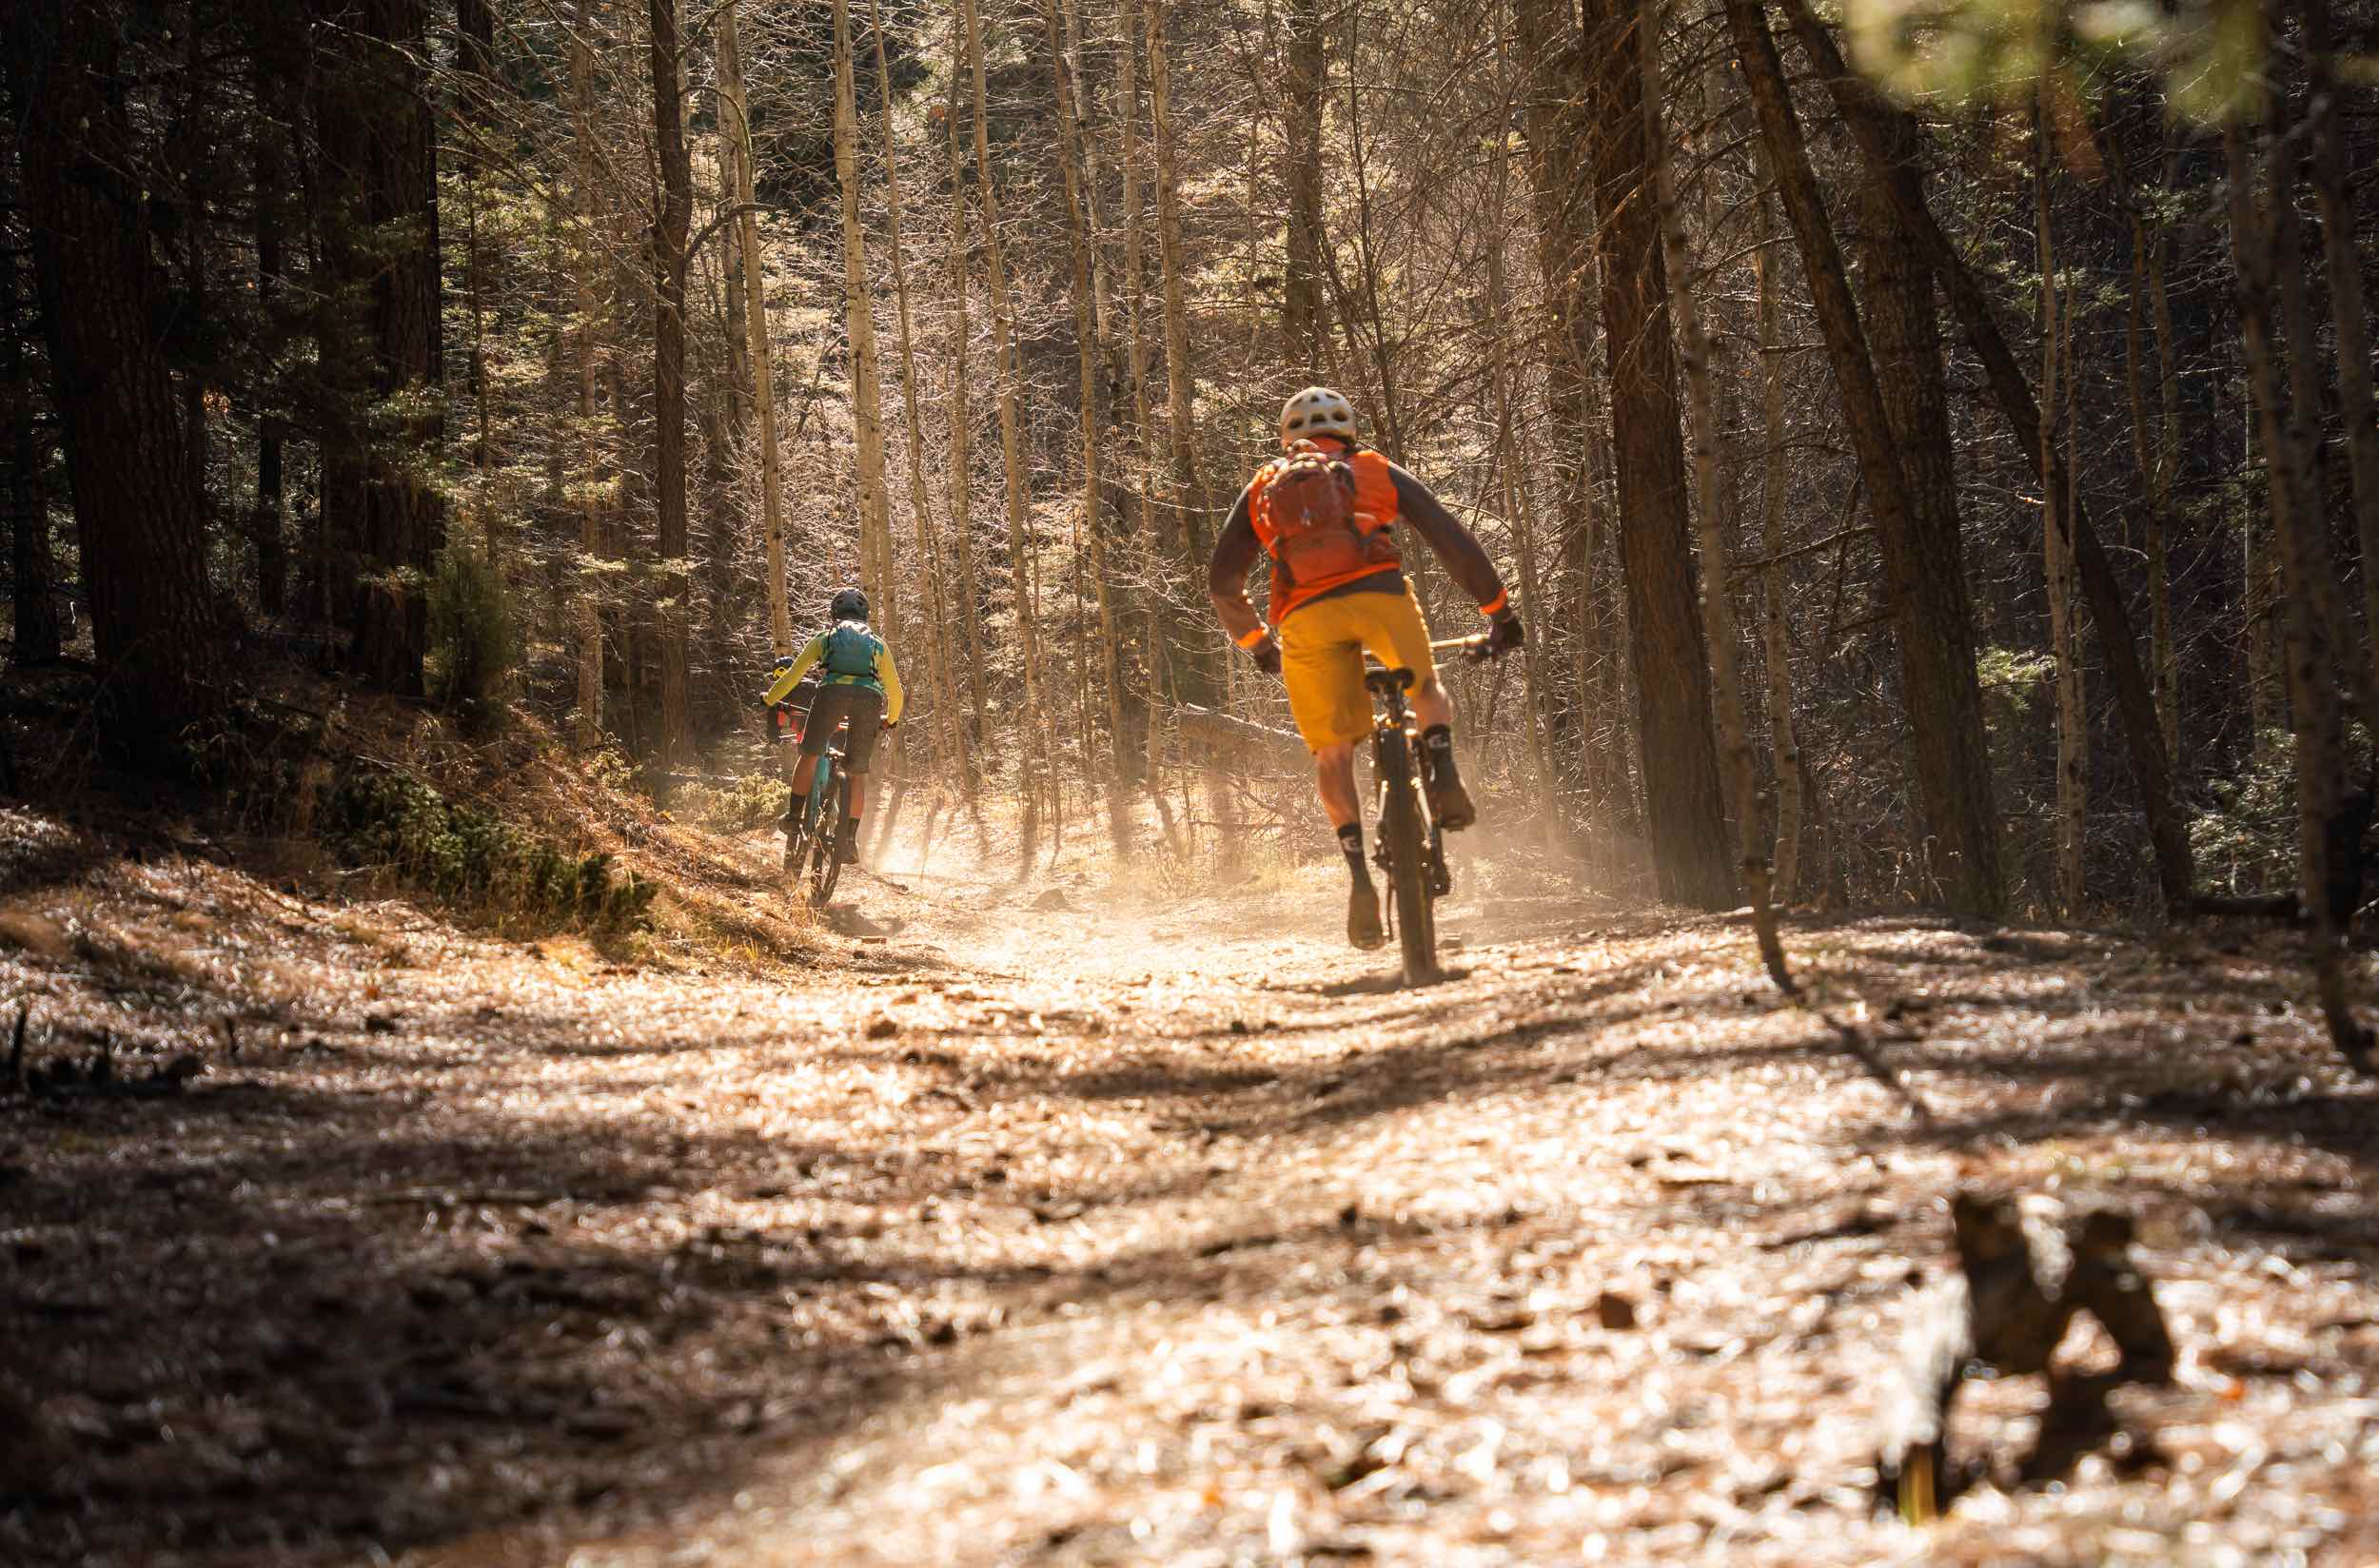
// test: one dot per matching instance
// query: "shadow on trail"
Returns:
(277, 1322)
(366, 1287)
(338, 1304)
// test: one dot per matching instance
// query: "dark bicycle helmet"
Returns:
(849, 604)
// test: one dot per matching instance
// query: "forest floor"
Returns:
(1110, 1218)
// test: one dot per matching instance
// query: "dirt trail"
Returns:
(1144, 1226)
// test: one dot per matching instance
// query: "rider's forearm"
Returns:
(895, 699)
(1226, 578)
(793, 672)
(1465, 559)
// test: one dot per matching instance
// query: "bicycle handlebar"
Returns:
(1473, 648)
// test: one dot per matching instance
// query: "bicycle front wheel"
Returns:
(826, 853)
(1407, 837)
(825, 867)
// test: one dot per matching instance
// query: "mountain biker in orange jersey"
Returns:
(1339, 588)
(860, 684)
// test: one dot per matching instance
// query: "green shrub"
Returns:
(471, 858)
(474, 645)
(737, 806)
(2246, 841)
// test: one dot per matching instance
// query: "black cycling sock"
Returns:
(1437, 744)
(1351, 845)
(795, 800)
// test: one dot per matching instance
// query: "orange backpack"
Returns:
(1308, 524)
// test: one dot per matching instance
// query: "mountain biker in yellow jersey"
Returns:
(1338, 588)
(861, 686)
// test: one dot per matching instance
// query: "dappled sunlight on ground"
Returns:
(1120, 1214)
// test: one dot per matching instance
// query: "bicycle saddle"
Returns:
(1383, 681)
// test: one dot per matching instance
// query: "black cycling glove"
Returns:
(1266, 656)
(1504, 633)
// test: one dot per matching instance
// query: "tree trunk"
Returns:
(587, 589)
(867, 401)
(33, 571)
(1368, 307)
(2333, 192)
(2269, 262)
(1517, 503)
(139, 517)
(1935, 616)
(1921, 553)
(929, 555)
(1867, 115)
(2260, 596)
(1717, 599)
(1037, 740)
(672, 216)
(1196, 676)
(961, 416)
(2147, 449)
(403, 516)
(268, 524)
(1093, 423)
(1777, 644)
(739, 141)
(1685, 816)
(477, 86)
(342, 351)
(1164, 631)
(1562, 199)
(2163, 657)
(1308, 73)
(183, 156)
(2073, 726)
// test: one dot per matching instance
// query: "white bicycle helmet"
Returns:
(1316, 411)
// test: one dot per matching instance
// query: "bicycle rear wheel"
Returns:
(826, 852)
(1407, 837)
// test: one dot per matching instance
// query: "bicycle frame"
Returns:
(821, 784)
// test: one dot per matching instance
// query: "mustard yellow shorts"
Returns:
(1322, 646)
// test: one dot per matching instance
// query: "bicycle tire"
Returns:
(826, 865)
(820, 781)
(1402, 829)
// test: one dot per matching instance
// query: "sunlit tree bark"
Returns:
(961, 416)
(736, 115)
(867, 406)
(672, 218)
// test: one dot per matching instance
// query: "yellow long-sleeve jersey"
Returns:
(885, 676)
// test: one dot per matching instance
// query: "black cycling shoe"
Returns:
(847, 844)
(1363, 917)
(1450, 803)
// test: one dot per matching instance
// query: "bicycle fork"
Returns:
(1408, 771)
(1412, 775)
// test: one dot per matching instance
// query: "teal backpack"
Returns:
(850, 652)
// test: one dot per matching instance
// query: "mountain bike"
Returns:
(813, 858)
(1411, 848)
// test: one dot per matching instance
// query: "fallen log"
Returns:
(1225, 739)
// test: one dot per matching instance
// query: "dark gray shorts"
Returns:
(862, 705)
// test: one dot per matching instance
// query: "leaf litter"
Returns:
(1027, 1234)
